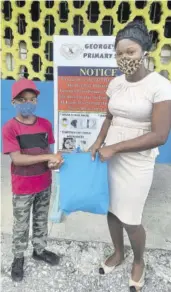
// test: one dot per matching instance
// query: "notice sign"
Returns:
(83, 68)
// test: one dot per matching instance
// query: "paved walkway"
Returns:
(78, 270)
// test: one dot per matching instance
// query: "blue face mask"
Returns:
(25, 109)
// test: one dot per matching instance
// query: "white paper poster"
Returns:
(83, 68)
(78, 129)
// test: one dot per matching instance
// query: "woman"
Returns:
(137, 122)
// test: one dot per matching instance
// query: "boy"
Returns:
(27, 139)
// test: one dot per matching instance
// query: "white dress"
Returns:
(131, 174)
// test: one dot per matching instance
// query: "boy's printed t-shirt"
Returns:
(34, 139)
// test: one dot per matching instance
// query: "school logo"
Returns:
(71, 51)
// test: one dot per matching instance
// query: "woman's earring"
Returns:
(146, 60)
(146, 54)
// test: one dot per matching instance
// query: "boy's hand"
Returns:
(55, 161)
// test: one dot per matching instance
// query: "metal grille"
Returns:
(28, 28)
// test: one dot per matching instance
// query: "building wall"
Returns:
(45, 101)
(28, 28)
(46, 110)
(27, 40)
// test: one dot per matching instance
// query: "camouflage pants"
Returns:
(22, 205)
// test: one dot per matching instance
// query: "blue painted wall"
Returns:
(45, 104)
(45, 109)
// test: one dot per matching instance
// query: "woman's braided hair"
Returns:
(135, 31)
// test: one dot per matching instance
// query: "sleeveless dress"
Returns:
(131, 174)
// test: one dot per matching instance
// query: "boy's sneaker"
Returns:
(17, 271)
(47, 257)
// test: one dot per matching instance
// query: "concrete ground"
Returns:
(83, 241)
(78, 270)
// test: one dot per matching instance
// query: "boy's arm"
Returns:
(11, 147)
(25, 160)
(51, 139)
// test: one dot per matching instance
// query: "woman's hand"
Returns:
(106, 153)
(94, 149)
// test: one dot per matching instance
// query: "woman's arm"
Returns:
(102, 135)
(161, 124)
(104, 129)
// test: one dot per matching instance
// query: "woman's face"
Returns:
(129, 56)
(129, 49)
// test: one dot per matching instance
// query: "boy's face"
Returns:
(25, 104)
(24, 97)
